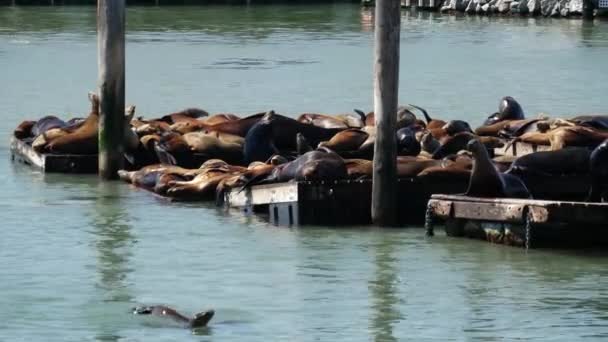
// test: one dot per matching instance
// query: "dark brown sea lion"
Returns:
(187, 114)
(24, 130)
(82, 140)
(508, 109)
(594, 121)
(566, 161)
(430, 122)
(284, 131)
(599, 174)
(486, 181)
(318, 165)
(459, 141)
(428, 143)
(407, 145)
(198, 321)
(405, 117)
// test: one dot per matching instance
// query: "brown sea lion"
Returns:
(486, 181)
(347, 140)
(238, 127)
(322, 120)
(83, 140)
(198, 321)
(24, 130)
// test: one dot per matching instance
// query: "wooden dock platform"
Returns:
(334, 203)
(64, 163)
(521, 222)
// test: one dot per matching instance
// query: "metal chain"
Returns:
(428, 220)
(528, 230)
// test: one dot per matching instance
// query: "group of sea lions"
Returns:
(192, 154)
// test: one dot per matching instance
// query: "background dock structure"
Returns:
(49, 163)
(520, 222)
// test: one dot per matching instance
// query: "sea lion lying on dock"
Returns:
(199, 320)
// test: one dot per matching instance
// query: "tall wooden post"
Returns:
(111, 67)
(386, 86)
(588, 8)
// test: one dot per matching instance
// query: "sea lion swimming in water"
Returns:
(486, 181)
(198, 321)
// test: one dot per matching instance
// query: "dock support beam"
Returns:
(588, 8)
(386, 87)
(111, 68)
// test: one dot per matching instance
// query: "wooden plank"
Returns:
(386, 88)
(111, 69)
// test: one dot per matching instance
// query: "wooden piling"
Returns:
(111, 67)
(386, 84)
(588, 8)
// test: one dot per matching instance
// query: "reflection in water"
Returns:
(384, 290)
(113, 244)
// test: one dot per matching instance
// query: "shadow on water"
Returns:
(383, 289)
(113, 242)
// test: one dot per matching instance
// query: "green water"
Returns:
(76, 254)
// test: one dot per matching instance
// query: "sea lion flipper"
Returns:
(201, 319)
(164, 157)
(427, 117)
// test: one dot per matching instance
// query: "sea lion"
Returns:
(428, 143)
(508, 109)
(302, 145)
(238, 127)
(24, 130)
(405, 117)
(459, 141)
(285, 129)
(407, 145)
(213, 146)
(46, 123)
(321, 120)
(82, 140)
(198, 321)
(430, 122)
(220, 118)
(348, 140)
(187, 114)
(593, 121)
(599, 174)
(566, 161)
(259, 143)
(453, 127)
(486, 181)
(319, 165)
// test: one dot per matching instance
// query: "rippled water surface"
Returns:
(76, 254)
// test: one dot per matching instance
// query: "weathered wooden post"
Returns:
(111, 68)
(588, 8)
(386, 86)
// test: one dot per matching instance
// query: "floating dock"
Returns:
(64, 163)
(335, 203)
(520, 222)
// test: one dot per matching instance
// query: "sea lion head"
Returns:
(457, 126)
(201, 319)
(475, 146)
